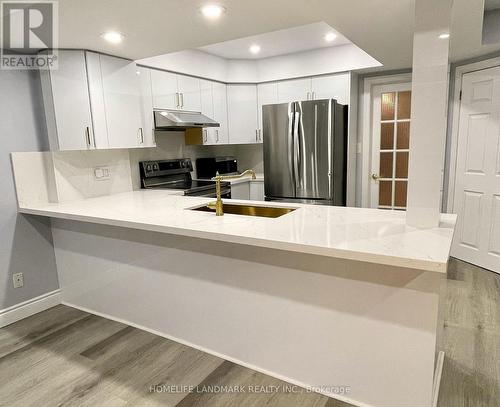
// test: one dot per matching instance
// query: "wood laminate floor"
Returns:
(66, 357)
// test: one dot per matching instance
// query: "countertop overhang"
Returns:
(368, 235)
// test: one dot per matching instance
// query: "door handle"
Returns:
(87, 136)
(375, 177)
(182, 99)
(296, 145)
(141, 135)
(291, 166)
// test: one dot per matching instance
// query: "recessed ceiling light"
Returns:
(443, 36)
(255, 49)
(113, 37)
(330, 37)
(212, 11)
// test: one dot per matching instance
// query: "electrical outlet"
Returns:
(102, 173)
(18, 280)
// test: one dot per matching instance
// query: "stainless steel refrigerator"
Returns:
(305, 152)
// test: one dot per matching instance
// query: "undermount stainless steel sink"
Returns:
(249, 210)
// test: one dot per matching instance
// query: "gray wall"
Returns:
(26, 241)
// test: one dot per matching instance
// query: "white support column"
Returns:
(428, 111)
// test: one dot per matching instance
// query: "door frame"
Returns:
(373, 186)
(365, 127)
(454, 119)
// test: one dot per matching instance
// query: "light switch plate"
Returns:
(102, 173)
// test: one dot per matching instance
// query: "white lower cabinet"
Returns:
(240, 190)
(257, 190)
(242, 114)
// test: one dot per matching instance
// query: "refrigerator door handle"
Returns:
(296, 148)
(291, 136)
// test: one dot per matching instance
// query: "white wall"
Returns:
(26, 241)
(320, 61)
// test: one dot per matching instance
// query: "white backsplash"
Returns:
(69, 175)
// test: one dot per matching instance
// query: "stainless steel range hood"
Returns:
(180, 120)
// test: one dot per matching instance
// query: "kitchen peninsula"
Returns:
(340, 300)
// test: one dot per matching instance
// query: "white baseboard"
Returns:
(437, 378)
(27, 308)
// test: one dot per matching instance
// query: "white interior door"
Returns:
(477, 180)
(390, 146)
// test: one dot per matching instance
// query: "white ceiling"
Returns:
(467, 31)
(291, 40)
(382, 28)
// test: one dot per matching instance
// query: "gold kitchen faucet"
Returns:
(218, 205)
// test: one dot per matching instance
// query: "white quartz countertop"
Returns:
(370, 235)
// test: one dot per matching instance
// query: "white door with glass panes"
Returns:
(390, 146)
(477, 180)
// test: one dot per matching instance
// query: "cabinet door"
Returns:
(333, 86)
(189, 93)
(67, 103)
(207, 108)
(242, 114)
(97, 107)
(220, 134)
(294, 90)
(240, 191)
(165, 90)
(147, 121)
(122, 98)
(267, 94)
(257, 191)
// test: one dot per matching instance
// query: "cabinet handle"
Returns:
(87, 137)
(256, 134)
(314, 96)
(217, 136)
(308, 95)
(141, 135)
(182, 99)
(177, 100)
(205, 132)
(260, 135)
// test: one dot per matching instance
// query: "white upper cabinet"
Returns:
(175, 92)
(242, 114)
(189, 93)
(220, 134)
(332, 86)
(146, 107)
(267, 94)
(67, 103)
(214, 105)
(122, 99)
(294, 90)
(165, 90)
